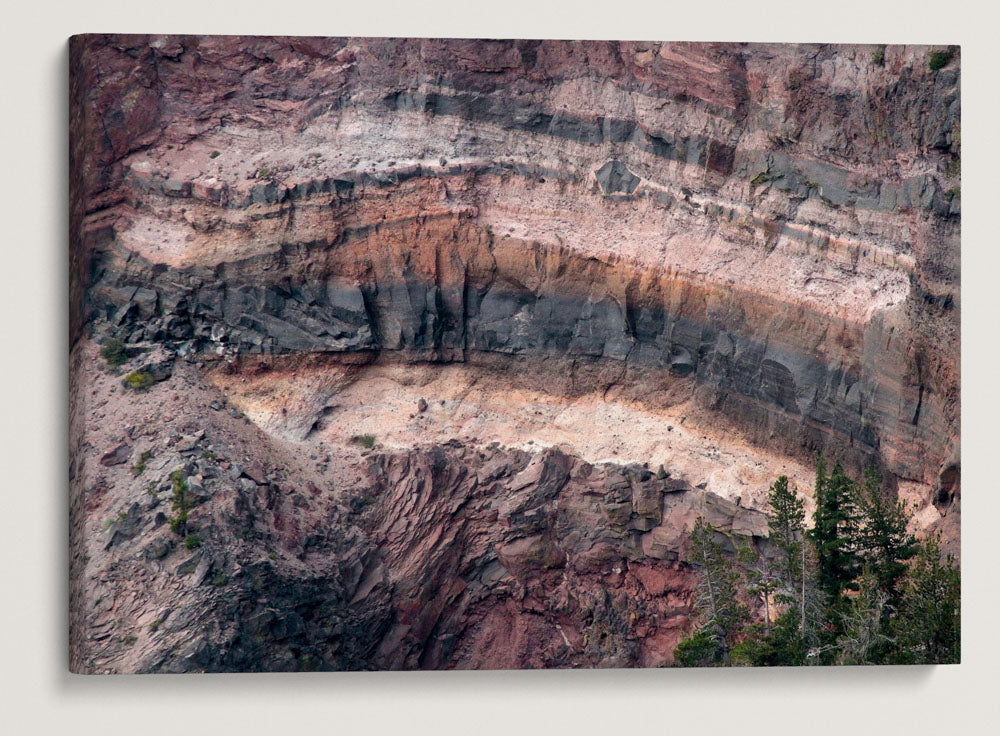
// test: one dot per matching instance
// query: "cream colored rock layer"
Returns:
(475, 408)
(864, 268)
(465, 404)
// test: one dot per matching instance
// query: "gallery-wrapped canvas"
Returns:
(478, 354)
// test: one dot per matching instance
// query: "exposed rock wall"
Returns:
(768, 231)
(505, 559)
(815, 290)
(443, 557)
(782, 371)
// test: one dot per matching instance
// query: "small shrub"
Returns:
(215, 154)
(209, 455)
(155, 625)
(661, 473)
(113, 351)
(181, 504)
(220, 579)
(698, 650)
(953, 192)
(878, 56)
(365, 440)
(139, 380)
(140, 466)
(192, 541)
(130, 640)
(940, 59)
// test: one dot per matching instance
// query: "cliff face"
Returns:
(765, 235)
(439, 556)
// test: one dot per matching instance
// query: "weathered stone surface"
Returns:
(767, 234)
(615, 178)
(126, 526)
(432, 521)
(117, 455)
(763, 371)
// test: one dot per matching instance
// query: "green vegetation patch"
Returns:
(139, 380)
(140, 467)
(113, 351)
(940, 59)
(365, 440)
(763, 178)
(856, 588)
(181, 503)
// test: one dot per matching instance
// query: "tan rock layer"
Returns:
(443, 288)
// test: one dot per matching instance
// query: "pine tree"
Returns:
(930, 620)
(778, 639)
(782, 646)
(881, 538)
(834, 531)
(904, 610)
(721, 610)
(786, 521)
(864, 638)
(761, 578)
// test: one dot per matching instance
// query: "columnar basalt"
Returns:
(767, 232)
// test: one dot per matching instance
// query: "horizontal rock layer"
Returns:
(770, 220)
(782, 371)
(771, 231)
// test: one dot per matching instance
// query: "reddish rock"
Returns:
(255, 471)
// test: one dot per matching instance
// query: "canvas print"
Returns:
(394, 353)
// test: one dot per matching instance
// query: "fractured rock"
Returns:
(117, 456)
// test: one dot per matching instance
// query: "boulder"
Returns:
(117, 455)
(125, 527)
(615, 178)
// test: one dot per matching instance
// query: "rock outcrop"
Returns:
(444, 556)
(769, 232)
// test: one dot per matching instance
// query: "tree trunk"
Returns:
(802, 602)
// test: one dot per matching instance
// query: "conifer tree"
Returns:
(717, 594)
(761, 578)
(786, 521)
(882, 540)
(864, 637)
(929, 623)
(834, 531)
(777, 639)
(902, 612)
